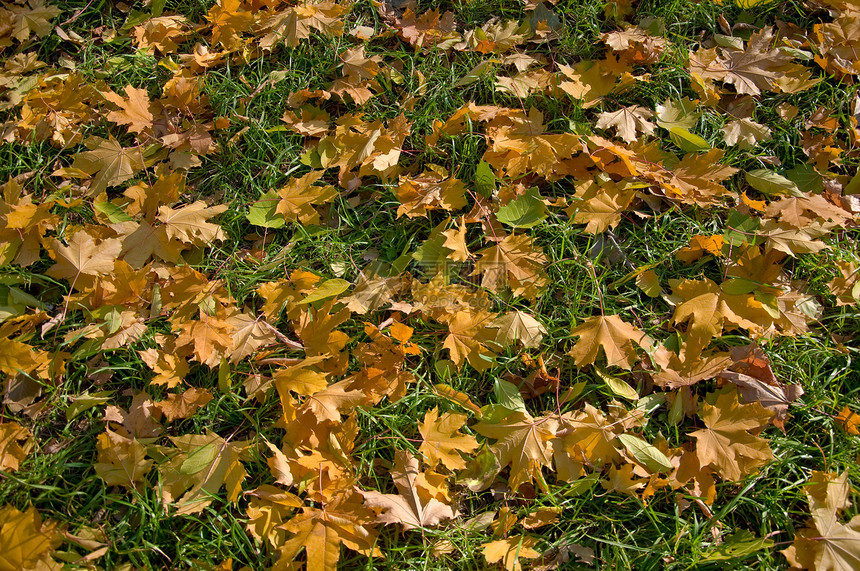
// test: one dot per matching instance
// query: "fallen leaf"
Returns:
(728, 443)
(121, 460)
(628, 122)
(25, 538)
(15, 443)
(510, 551)
(443, 440)
(518, 327)
(407, 507)
(611, 335)
(108, 162)
(848, 420)
(201, 464)
(825, 543)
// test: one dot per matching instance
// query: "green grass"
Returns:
(360, 227)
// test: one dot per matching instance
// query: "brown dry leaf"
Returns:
(751, 70)
(15, 443)
(428, 29)
(745, 133)
(108, 162)
(623, 481)
(357, 67)
(443, 440)
(371, 293)
(678, 113)
(184, 405)
(520, 145)
(312, 122)
(837, 42)
(210, 338)
(525, 83)
(163, 33)
(696, 179)
(295, 23)
(169, 368)
(268, 508)
(315, 328)
(432, 189)
(511, 550)
(504, 522)
(793, 241)
(699, 246)
(628, 122)
(698, 479)
(407, 507)
(250, 334)
(801, 211)
(300, 378)
(588, 81)
(751, 373)
(25, 225)
(286, 293)
(190, 223)
(468, 333)
(121, 460)
(518, 327)
(541, 518)
(708, 310)
(279, 465)
(676, 373)
(600, 205)
(825, 543)
(512, 263)
(336, 399)
(84, 255)
(611, 334)
(229, 20)
(557, 557)
(57, 108)
(728, 443)
(585, 438)
(32, 19)
(140, 421)
(18, 357)
(649, 283)
(461, 399)
(455, 240)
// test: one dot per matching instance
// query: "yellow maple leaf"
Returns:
(15, 443)
(511, 550)
(523, 442)
(611, 334)
(203, 463)
(121, 461)
(727, 443)
(512, 263)
(24, 538)
(108, 162)
(84, 255)
(443, 441)
(825, 542)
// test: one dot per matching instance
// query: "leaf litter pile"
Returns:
(376, 285)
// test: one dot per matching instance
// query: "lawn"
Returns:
(455, 285)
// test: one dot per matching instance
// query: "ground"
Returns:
(448, 285)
